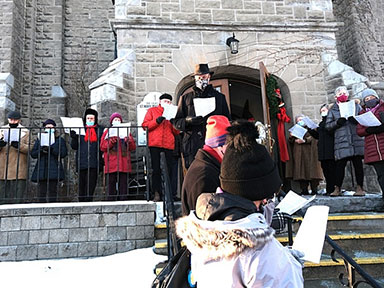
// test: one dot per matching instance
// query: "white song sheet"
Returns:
(169, 111)
(293, 202)
(204, 106)
(69, 122)
(47, 139)
(11, 135)
(310, 124)
(368, 119)
(311, 234)
(347, 109)
(122, 130)
(298, 131)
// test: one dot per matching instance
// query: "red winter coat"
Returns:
(109, 146)
(159, 135)
(374, 143)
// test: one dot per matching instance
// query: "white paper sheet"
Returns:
(347, 109)
(368, 119)
(311, 234)
(69, 122)
(122, 130)
(310, 124)
(169, 111)
(204, 106)
(293, 202)
(298, 131)
(11, 135)
(47, 139)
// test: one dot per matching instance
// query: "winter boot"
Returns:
(336, 192)
(359, 191)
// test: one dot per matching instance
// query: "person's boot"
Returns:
(359, 191)
(336, 192)
(157, 197)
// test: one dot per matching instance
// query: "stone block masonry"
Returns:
(70, 230)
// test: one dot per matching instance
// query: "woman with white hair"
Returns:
(348, 145)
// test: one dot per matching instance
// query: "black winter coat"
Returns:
(202, 176)
(194, 136)
(94, 156)
(325, 144)
(52, 158)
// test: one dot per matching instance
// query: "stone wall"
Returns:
(69, 230)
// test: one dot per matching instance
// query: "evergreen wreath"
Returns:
(273, 99)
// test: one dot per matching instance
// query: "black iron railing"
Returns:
(37, 166)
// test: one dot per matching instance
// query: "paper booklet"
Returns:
(310, 237)
(46, 139)
(169, 111)
(298, 131)
(368, 119)
(310, 124)
(347, 109)
(293, 202)
(122, 131)
(76, 122)
(204, 106)
(11, 135)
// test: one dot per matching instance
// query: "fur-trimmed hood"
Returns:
(215, 240)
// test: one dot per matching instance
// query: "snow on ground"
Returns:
(130, 269)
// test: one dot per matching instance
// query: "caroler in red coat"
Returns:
(117, 159)
(160, 139)
(374, 136)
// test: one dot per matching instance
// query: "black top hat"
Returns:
(201, 69)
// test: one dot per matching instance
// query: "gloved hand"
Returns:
(73, 134)
(44, 149)
(352, 120)
(113, 139)
(375, 129)
(15, 144)
(160, 119)
(2, 143)
(191, 121)
(341, 121)
(298, 255)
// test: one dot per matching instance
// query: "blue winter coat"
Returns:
(49, 161)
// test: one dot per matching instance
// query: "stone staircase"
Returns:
(359, 234)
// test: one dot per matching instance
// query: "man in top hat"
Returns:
(203, 174)
(160, 139)
(13, 159)
(192, 126)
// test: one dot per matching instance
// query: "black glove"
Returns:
(2, 143)
(160, 119)
(194, 120)
(352, 120)
(375, 129)
(73, 134)
(381, 115)
(44, 149)
(15, 144)
(341, 121)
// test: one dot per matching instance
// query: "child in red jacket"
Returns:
(160, 139)
(117, 159)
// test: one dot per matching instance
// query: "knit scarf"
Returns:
(90, 134)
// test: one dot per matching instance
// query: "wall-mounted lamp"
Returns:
(233, 43)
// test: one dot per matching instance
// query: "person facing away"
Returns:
(348, 145)
(373, 136)
(192, 126)
(13, 159)
(117, 159)
(49, 171)
(203, 174)
(161, 138)
(228, 235)
(303, 165)
(88, 154)
(325, 150)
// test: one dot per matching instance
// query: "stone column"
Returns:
(6, 104)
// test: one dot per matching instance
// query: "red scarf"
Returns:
(91, 134)
(213, 153)
(282, 118)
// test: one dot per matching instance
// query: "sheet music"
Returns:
(204, 106)
(310, 124)
(47, 139)
(169, 111)
(70, 122)
(310, 237)
(11, 135)
(298, 131)
(122, 130)
(293, 202)
(347, 109)
(368, 119)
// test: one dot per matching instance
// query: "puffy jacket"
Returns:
(51, 158)
(347, 142)
(117, 155)
(159, 135)
(374, 143)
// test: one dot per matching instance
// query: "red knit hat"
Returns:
(216, 131)
(115, 115)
